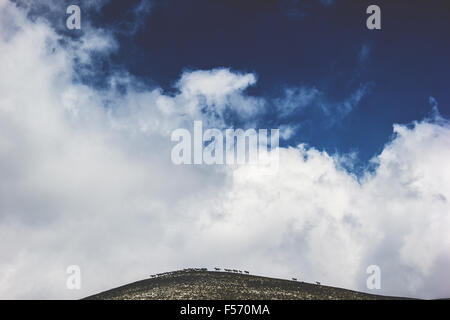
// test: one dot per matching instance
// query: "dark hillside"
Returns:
(209, 285)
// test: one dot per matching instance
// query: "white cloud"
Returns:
(216, 92)
(87, 179)
(287, 131)
(296, 99)
(353, 100)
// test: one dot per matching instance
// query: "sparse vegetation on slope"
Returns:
(209, 285)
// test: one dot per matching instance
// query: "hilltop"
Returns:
(193, 284)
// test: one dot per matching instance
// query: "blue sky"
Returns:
(287, 44)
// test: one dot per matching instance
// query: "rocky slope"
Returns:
(209, 285)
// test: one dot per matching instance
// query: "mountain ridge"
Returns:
(200, 284)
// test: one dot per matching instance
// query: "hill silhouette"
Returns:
(199, 284)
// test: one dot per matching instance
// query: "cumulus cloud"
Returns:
(87, 180)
